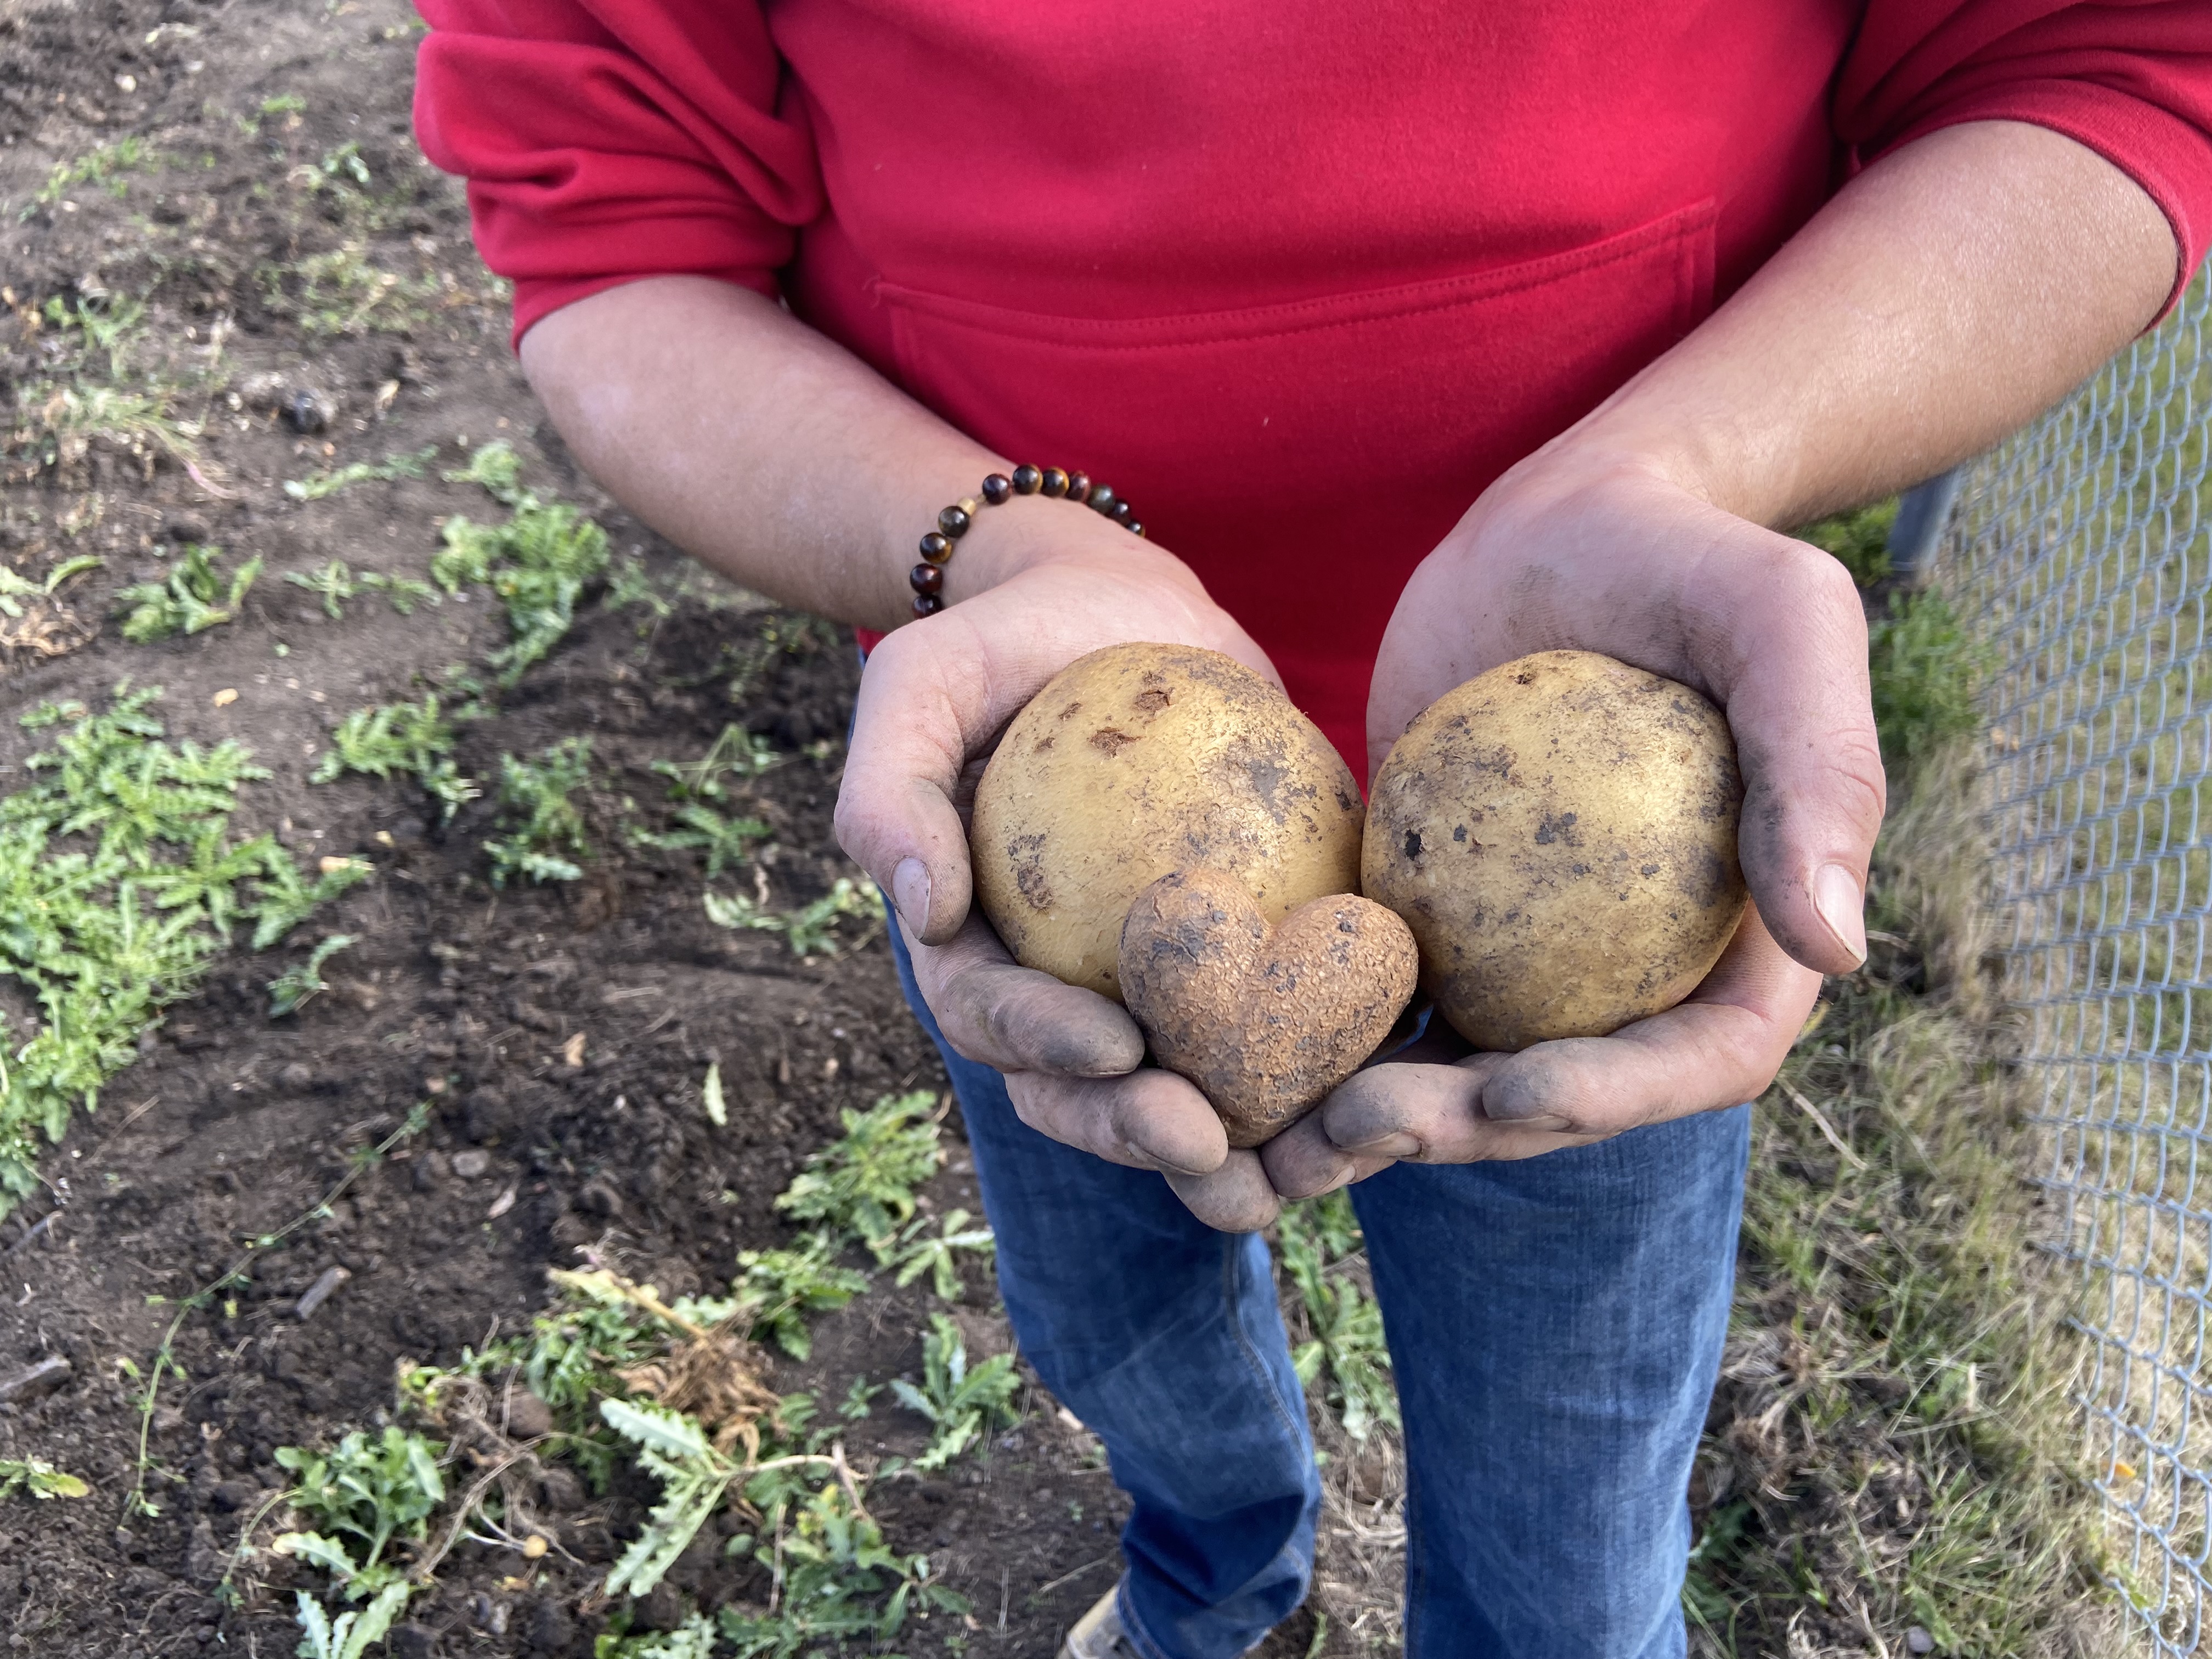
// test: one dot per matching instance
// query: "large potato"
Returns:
(1559, 833)
(1139, 761)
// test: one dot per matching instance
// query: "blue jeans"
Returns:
(1555, 1326)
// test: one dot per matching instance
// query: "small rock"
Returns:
(472, 1165)
(551, 1630)
(297, 1076)
(662, 1608)
(40, 1379)
(527, 1416)
(411, 1641)
(320, 1291)
(233, 1496)
(308, 411)
(185, 527)
(1918, 1640)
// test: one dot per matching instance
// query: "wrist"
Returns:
(1021, 518)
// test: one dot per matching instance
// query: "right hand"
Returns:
(935, 699)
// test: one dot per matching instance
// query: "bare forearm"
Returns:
(1945, 297)
(769, 452)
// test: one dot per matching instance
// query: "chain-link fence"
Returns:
(2079, 558)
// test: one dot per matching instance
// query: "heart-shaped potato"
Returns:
(1265, 1020)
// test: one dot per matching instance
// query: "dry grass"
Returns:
(1891, 1455)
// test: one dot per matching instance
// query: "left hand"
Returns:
(1569, 551)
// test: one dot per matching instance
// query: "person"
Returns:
(1420, 337)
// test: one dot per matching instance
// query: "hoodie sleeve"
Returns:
(605, 140)
(2130, 79)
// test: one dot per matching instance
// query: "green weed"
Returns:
(41, 1479)
(1860, 539)
(778, 1291)
(109, 327)
(331, 483)
(725, 841)
(736, 755)
(832, 1570)
(698, 789)
(14, 588)
(334, 582)
(537, 563)
(496, 470)
(108, 165)
(338, 582)
(351, 1634)
(1320, 1239)
(1926, 673)
(119, 883)
(959, 1402)
(811, 930)
(863, 1184)
(341, 292)
(194, 596)
(633, 583)
(297, 986)
(694, 1476)
(693, 1639)
(938, 1255)
(361, 1495)
(283, 103)
(412, 739)
(544, 827)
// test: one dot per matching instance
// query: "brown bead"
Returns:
(1123, 512)
(1101, 500)
(936, 548)
(953, 521)
(1078, 485)
(997, 488)
(1054, 482)
(927, 604)
(1027, 480)
(927, 579)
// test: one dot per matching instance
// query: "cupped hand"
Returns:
(935, 699)
(1611, 556)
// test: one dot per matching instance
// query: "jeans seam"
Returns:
(1230, 1242)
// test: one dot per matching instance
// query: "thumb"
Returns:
(918, 717)
(1815, 790)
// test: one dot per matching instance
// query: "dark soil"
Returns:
(470, 998)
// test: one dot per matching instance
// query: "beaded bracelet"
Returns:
(928, 578)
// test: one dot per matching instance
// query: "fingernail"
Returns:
(1139, 1156)
(1399, 1145)
(1841, 902)
(910, 892)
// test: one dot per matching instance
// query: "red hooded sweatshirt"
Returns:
(1298, 279)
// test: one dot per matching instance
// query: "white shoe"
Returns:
(1100, 1633)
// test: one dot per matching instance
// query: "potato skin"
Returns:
(1139, 760)
(1559, 833)
(1265, 1020)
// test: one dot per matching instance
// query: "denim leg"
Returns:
(1556, 1326)
(1164, 1337)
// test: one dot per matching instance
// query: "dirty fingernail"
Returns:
(1397, 1144)
(910, 892)
(1841, 902)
